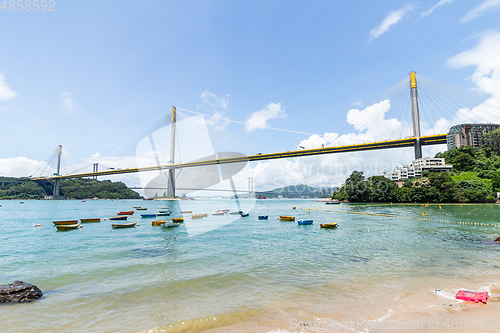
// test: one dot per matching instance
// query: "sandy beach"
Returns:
(464, 317)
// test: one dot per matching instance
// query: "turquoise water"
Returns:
(249, 274)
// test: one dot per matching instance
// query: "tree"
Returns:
(491, 141)
(356, 187)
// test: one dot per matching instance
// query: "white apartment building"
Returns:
(416, 168)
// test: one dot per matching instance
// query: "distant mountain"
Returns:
(302, 189)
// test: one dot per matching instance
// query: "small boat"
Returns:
(97, 219)
(137, 207)
(158, 222)
(67, 226)
(329, 225)
(130, 212)
(170, 225)
(287, 218)
(236, 213)
(198, 216)
(178, 219)
(115, 218)
(186, 211)
(165, 207)
(244, 214)
(333, 202)
(304, 222)
(163, 214)
(148, 216)
(67, 222)
(263, 217)
(472, 296)
(165, 211)
(141, 209)
(219, 213)
(123, 225)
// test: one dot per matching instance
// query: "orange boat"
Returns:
(67, 222)
(130, 212)
(329, 225)
(64, 227)
(158, 222)
(178, 219)
(97, 219)
(287, 218)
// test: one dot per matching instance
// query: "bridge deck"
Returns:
(407, 142)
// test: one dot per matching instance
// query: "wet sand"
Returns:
(464, 317)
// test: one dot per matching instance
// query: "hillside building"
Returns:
(416, 168)
(468, 135)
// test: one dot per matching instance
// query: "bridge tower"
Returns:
(55, 193)
(171, 171)
(415, 115)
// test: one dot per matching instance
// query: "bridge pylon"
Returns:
(415, 115)
(55, 193)
(171, 172)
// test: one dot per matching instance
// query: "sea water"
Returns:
(249, 275)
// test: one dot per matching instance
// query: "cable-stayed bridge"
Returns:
(400, 143)
(227, 159)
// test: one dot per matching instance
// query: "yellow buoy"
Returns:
(294, 207)
(423, 213)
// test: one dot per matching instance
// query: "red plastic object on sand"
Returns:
(472, 296)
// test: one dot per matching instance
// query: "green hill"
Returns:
(24, 188)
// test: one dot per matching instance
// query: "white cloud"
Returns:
(258, 119)
(370, 125)
(358, 103)
(19, 166)
(217, 122)
(391, 19)
(5, 92)
(479, 10)
(439, 4)
(213, 100)
(67, 103)
(485, 58)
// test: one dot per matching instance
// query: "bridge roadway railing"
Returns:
(407, 142)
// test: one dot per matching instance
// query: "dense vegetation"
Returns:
(475, 178)
(20, 188)
(80, 188)
(23, 188)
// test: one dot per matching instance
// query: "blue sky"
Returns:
(92, 74)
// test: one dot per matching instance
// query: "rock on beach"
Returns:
(20, 292)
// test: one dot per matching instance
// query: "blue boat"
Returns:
(114, 218)
(244, 214)
(148, 216)
(263, 217)
(304, 222)
(165, 211)
(163, 214)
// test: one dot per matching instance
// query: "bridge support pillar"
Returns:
(415, 115)
(171, 172)
(57, 188)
